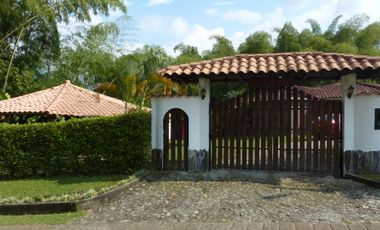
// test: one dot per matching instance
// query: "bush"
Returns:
(106, 145)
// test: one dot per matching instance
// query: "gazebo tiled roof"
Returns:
(66, 100)
(334, 91)
(298, 64)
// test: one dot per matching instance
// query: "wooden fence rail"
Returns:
(279, 129)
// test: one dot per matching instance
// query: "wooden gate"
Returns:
(279, 129)
(176, 124)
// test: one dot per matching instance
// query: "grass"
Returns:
(58, 188)
(372, 176)
(61, 218)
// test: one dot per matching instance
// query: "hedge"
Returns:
(105, 145)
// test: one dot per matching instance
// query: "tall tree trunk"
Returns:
(11, 61)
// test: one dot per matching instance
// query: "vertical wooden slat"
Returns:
(282, 126)
(309, 131)
(220, 137)
(251, 117)
(316, 135)
(232, 133)
(226, 134)
(322, 139)
(244, 120)
(288, 129)
(337, 136)
(270, 129)
(264, 119)
(329, 135)
(180, 141)
(275, 128)
(295, 130)
(166, 141)
(174, 131)
(302, 163)
(238, 124)
(213, 135)
(186, 143)
(257, 127)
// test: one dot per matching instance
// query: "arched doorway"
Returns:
(176, 140)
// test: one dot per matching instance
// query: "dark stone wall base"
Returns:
(157, 159)
(198, 160)
(360, 162)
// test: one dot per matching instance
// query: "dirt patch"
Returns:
(251, 196)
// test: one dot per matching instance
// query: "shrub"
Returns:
(105, 145)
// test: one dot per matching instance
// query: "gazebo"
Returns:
(65, 100)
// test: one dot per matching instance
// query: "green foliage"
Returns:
(107, 145)
(258, 42)
(29, 38)
(221, 48)
(61, 188)
(187, 53)
(60, 218)
(287, 40)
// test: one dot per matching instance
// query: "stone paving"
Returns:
(157, 225)
(227, 196)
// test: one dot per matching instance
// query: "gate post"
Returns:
(197, 111)
(199, 150)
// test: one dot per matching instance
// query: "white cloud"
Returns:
(178, 26)
(237, 38)
(164, 25)
(153, 24)
(199, 36)
(243, 16)
(159, 2)
(212, 12)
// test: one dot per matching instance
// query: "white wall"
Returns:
(197, 111)
(348, 110)
(366, 138)
(359, 113)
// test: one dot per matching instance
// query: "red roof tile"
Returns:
(300, 62)
(65, 99)
(334, 91)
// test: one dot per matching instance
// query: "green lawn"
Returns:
(373, 177)
(61, 218)
(57, 188)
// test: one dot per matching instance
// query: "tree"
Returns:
(29, 34)
(258, 42)
(187, 53)
(138, 80)
(221, 48)
(287, 39)
(368, 39)
(88, 57)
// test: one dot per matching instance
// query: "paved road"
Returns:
(154, 225)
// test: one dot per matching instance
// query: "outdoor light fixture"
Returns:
(350, 91)
(203, 93)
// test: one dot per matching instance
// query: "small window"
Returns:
(377, 118)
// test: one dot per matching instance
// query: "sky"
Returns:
(169, 22)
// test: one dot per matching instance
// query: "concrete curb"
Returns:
(66, 206)
(366, 181)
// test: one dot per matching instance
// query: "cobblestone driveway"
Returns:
(247, 196)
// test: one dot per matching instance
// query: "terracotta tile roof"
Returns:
(276, 63)
(335, 90)
(65, 99)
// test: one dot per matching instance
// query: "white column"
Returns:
(204, 106)
(348, 112)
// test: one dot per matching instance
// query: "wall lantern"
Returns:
(350, 91)
(203, 93)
